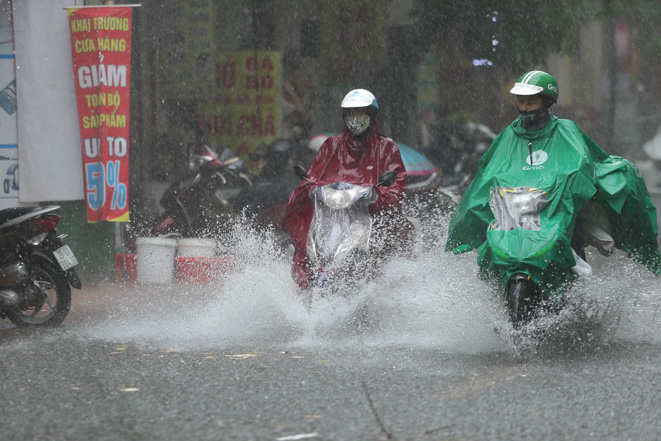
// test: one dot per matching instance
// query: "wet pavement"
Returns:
(247, 360)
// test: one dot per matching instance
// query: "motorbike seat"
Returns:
(14, 215)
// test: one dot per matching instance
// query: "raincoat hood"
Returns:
(561, 162)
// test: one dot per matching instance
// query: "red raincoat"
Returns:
(342, 158)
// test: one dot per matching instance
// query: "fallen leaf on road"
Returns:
(297, 437)
(240, 356)
(129, 389)
(313, 416)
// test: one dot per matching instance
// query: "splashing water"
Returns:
(433, 300)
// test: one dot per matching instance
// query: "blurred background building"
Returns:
(245, 73)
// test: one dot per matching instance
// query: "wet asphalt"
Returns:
(102, 376)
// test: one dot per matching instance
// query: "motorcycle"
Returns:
(537, 198)
(427, 200)
(428, 197)
(202, 203)
(265, 202)
(458, 148)
(519, 209)
(37, 268)
(340, 234)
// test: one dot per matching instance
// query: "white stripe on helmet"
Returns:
(529, 76)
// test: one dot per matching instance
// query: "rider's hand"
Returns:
(461, 249)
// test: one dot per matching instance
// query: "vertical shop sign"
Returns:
(101, 51)
(245, 113)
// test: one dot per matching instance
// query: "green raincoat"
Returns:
(538, 182)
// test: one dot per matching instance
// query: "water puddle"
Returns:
(432, 301)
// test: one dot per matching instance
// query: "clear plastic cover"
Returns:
(341, 222)
(517, 207)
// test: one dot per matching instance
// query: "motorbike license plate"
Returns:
(65, 257)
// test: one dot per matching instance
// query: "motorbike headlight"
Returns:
(194, 163)
(37, 239)
(336, 199)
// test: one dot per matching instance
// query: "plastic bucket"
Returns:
(202, 270)
(155, 260)
(191, 247)
(125, 267)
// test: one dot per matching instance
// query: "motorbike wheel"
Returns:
(52, 299)
(523, 299)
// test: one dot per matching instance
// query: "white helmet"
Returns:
(359, 98)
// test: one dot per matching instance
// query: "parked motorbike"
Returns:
(265, 202)
(340, 234)
(427, 199)
(202, 203)
(36, 269)
(457, 149)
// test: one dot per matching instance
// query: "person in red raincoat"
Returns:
(357, 156)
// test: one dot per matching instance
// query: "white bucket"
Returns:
(191, 247)
(155, 260)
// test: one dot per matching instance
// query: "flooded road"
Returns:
(422, 353)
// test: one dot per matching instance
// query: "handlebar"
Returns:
(385, 180)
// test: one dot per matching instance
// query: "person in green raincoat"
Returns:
(542, 191)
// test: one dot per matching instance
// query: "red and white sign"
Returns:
(101, 52)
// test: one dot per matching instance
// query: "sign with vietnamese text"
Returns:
(245, 111)
(101, 51)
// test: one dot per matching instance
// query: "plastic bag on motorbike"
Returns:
(518, 207)
(341, 223)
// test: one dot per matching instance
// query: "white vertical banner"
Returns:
(49, 153)
(8, 136)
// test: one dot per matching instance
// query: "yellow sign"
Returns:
(245, 111)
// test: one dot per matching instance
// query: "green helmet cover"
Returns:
(534, 82)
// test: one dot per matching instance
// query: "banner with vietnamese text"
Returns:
(101, 52)
(244, 114)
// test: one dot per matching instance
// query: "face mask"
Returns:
(357, 124)
(535, 119)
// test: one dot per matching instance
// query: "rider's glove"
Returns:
(461, 249)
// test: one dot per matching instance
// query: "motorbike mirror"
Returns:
(301, 172)
(388, 178)
(199, 154)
